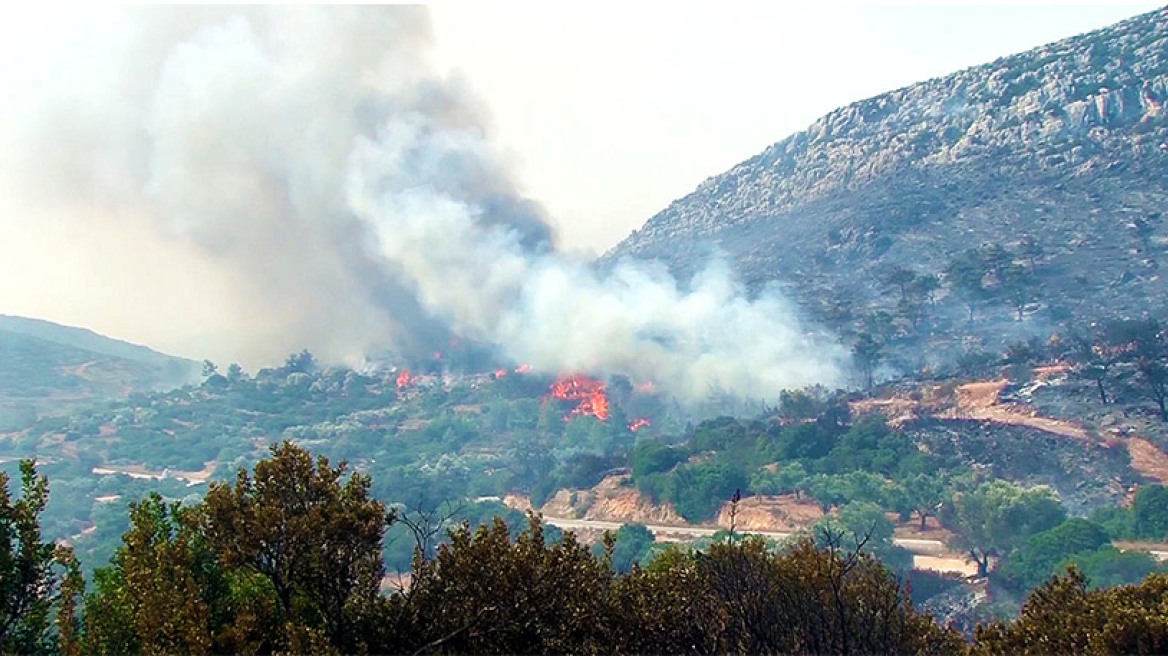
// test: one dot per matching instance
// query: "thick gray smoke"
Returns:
(355, 201)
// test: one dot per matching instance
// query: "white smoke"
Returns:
(356, 201)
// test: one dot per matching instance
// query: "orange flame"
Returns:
(405, 379)
(588, 391)
(523, 369)
(500, 373)
(638, 424)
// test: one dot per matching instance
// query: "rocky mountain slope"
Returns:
(1064, 146)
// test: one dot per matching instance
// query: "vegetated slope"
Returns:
(51, 369)
(1066, 144)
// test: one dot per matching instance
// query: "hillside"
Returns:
(1057, 157)
(50, 369)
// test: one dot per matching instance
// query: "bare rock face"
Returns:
(1066, 144)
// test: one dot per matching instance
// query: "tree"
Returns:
(802, 405)
(1018, 285)
(965, 275)
(1094, 361)
(157, 595)
(632, 543)
(698, 490)
(925, 493)
(996, 516)
(1150, 512)
(235, 373)
(778, 479)
(924, 287)
(315, 538)
(1148, 344)
(901, 278)
(482, 593)
(1107, 566)
(1031, 249)
(866, 354)
(1041, 555)
(30, 569)
(1154, 373)
(1065, 617)
(303, 362)
(863, 526)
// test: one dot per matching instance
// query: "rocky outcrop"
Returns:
(613, 499)
(1067, 143)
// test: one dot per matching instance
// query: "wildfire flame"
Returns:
(638, 424)
(405, 379)
(523, 369)
(588, 391)
(500, 373)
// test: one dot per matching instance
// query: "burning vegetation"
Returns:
(638, 424)
(589, 392)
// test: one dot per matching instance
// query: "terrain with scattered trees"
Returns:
(288, 558)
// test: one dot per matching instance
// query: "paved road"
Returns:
(688, 533)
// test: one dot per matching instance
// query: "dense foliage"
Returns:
(287, 560)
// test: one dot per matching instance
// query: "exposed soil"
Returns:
(982, 401)
(140, 471)
(613, 499)
(771, 513)
(1148, 459)
(944, 564)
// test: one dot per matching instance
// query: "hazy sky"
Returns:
(613, 110)
(603, 113)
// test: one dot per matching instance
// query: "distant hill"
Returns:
(1062, 150)
(49, 369)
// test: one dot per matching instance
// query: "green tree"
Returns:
(863, 526)
(1065, 617)
(925, 493)
(1150, 512)
(699, 490)
(157, 595)
(1041, 555)
(31, 569)
(998, 515)
(632, 544)
(314, 537)
(1108, 567)
(484, 594)
(784, 479)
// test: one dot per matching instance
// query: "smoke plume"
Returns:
(344, 197)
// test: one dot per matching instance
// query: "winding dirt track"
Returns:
(690, 533)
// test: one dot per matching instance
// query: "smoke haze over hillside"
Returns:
(301, 177)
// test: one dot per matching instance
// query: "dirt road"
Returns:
(690, 533)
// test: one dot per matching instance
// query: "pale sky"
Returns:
(605, 111)
(613, 111)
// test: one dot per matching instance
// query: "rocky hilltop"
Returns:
(1063, 148)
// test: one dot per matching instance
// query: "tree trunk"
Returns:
(983, 563)
(1102, 392)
